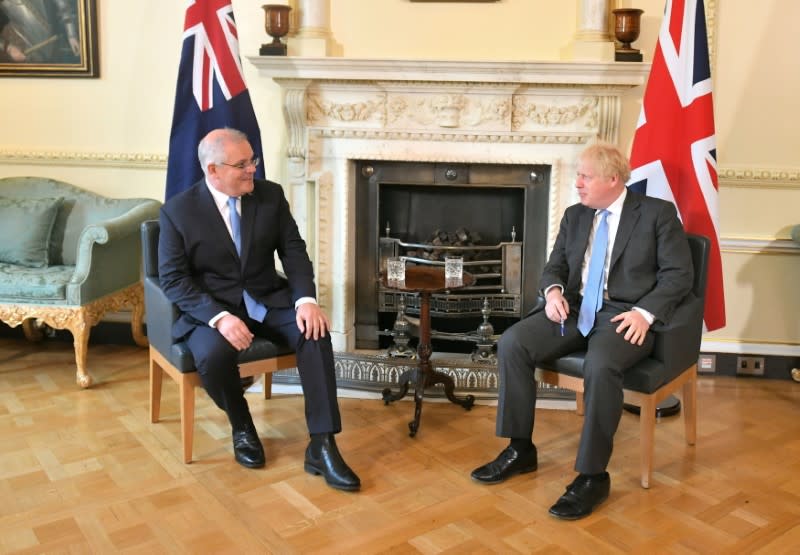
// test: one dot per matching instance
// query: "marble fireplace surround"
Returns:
(338, 111)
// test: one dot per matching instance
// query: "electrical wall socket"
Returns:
(707, 364)
(750, 366)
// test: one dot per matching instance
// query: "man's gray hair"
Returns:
(211, 148)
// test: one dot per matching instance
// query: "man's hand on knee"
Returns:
(312, 321)
(634, 324)
(235, 331)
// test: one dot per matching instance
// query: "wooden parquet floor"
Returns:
(83, 471)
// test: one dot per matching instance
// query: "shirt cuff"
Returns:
(304, 300)
(647, 316)
(544, 293)
(217, 318)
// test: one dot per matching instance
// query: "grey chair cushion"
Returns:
(646, 377)
(260, 349)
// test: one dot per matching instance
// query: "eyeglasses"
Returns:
(245, 164)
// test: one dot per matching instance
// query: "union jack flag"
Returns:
(674, 153)
(211, 92)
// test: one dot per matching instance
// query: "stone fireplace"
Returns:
(340, 113)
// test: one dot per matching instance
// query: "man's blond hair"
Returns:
(608, 161)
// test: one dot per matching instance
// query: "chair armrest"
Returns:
(677, 344)
(538, 307)
(112, 249)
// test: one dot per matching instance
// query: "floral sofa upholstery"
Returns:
(68, 256)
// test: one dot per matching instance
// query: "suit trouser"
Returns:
(217, 364)
(608, 355)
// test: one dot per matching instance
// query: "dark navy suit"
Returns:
(650, 268)
(201, 272)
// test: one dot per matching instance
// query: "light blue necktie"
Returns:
(593, 292)
(255, 310)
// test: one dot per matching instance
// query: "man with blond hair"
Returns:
(619, 266)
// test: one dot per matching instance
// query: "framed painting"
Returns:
(48, 38)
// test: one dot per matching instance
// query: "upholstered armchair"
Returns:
(68, 256)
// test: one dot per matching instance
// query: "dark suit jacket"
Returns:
(200, 270)
(651, 265)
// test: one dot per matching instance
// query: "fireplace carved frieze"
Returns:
(527, 111)
(340, 111)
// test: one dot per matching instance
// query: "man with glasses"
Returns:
(216, 263)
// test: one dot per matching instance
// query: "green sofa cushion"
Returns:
(32, 285)
(25, 228)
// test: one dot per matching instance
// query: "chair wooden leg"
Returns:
(80, 328)
(268, 385)
(156, 379)
(647, 430)
(187, 417)
(33, 332)
(579, 402)
(690, 410)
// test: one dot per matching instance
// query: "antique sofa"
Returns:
(68, 256)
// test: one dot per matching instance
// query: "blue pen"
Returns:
(562, 327)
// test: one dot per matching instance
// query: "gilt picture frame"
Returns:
(48, 38)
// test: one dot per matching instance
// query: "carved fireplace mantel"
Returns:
(340, 110)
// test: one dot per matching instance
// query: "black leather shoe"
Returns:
(582, 496)
(323, 457)
(247, 448)
(247, 381)
(507, 464)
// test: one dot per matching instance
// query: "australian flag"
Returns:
(674, 153)
(210, 93)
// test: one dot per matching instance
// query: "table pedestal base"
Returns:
(424, 281)
(427, 379)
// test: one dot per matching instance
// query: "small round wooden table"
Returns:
(425, 280)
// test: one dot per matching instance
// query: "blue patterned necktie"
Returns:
(593, 292)
(255, 310)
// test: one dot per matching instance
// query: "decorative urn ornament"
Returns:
(626, 30)
(277, 25)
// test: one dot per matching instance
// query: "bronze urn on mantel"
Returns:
(277, 25)
(626, 30)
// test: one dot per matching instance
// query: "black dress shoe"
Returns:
(323, 457)
(247, 448)
(508, 463)
(582, 496)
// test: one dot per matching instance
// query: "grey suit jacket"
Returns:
(650, 267)
(200, 270)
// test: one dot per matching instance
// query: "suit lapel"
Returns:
(208, 212)
(627, 223)
(581, 243)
